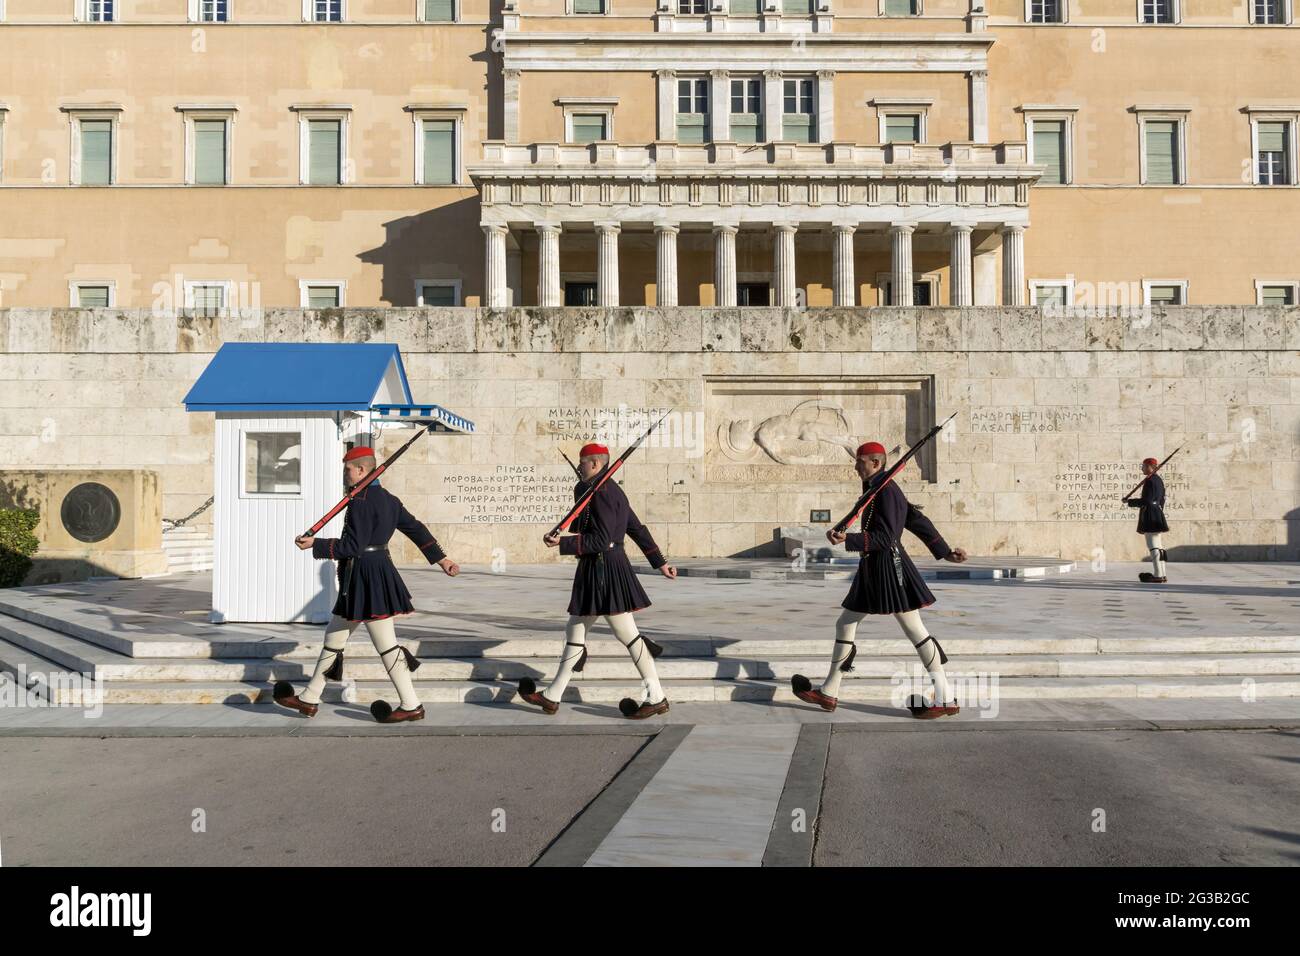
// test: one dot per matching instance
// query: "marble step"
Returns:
(142, 635)
(618, 666)
(612, 691)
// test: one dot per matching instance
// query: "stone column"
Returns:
(843, 286)
(900, 272)
(783, 283)
(607, 263)
(724, 265)
(496, 292)
(548, 264)
(665, 264)
(1013, 265)
(960, 265)
(985, 269)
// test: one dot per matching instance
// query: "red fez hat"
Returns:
(871, 448)
(361, 451)
(593, 449)
(1149, 461)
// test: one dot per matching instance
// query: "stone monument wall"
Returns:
(1053, 415)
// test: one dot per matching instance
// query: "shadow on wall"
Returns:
(428, 245)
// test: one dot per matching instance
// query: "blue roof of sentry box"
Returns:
(295, 376)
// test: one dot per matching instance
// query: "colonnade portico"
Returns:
(837, 192)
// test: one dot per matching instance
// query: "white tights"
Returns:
(845, 630)
(383, 634)
(1157, 555)
(625, 630)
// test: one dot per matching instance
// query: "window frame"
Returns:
(82, 12)
(1179, 117)
(455, 12)
(76, 285)
(1066, 283)
(309, 12)
(457, 117)
(694, 79)
(748, 78)
(227, 285)
(305, 117)
(1292, 284)
(1177, 15)
(1065, 15)
(1292, 119)
(1052, 115)
(919, 4)
(454, 284)
(920, 111)
(1148, 283)
(588, 107)
(75, 116)
(885, 281)
(570, 8)
(304, 297)
(195, 10)
(189, 114)
(244, 493)
(1286, 11)
(812, 80)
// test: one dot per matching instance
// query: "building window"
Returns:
(1052, 295)
(272, 463)
(1164, 291)
(799, 120)
(1158, 11)
(438, 155)
(588, 6)
(692, 8)
(1276, 293)
(747, 109)
(323, 11)
(693, 110)
(1268, 12)
(797, 8)
(1273, 152)
(579, 293)
(900, 8)
(210, 152)
(1048, 149)
(587, 128)
(323, 146)
(925, 289)
(1045, 11)
(320, 295)
(438, 11)
(1162, 151)
(92, 295)
(207, 297)
(96, 152)
(437, 293)
(743, 8)
(753, 293)
(902, 127)
(210, 11)
(97, 11)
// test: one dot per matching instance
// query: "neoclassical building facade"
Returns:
(225, 154)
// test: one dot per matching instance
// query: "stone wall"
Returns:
(1054, 412)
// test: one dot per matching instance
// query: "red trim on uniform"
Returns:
(381, 617)
(579, 544)
(431, 543)
(331, 549)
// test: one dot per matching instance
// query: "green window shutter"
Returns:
(439, 10)
(798, 128)
(743, 8)
(325, 139)
(1272, 137)
(902, 129)
(1049, 142)
(691, 127)
(435, 296)
(1162, 152)
(209, 299)
(797, 7)
(588, 127)
(746, 127)
(210, 152)
(1050, 296)
(322, 297)
(1277, 295)
(96, 152)
(439, 152)
(588, 6)
(1165, 295)
(899, 8)
(92, 296)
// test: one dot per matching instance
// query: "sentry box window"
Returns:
(273, 463)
